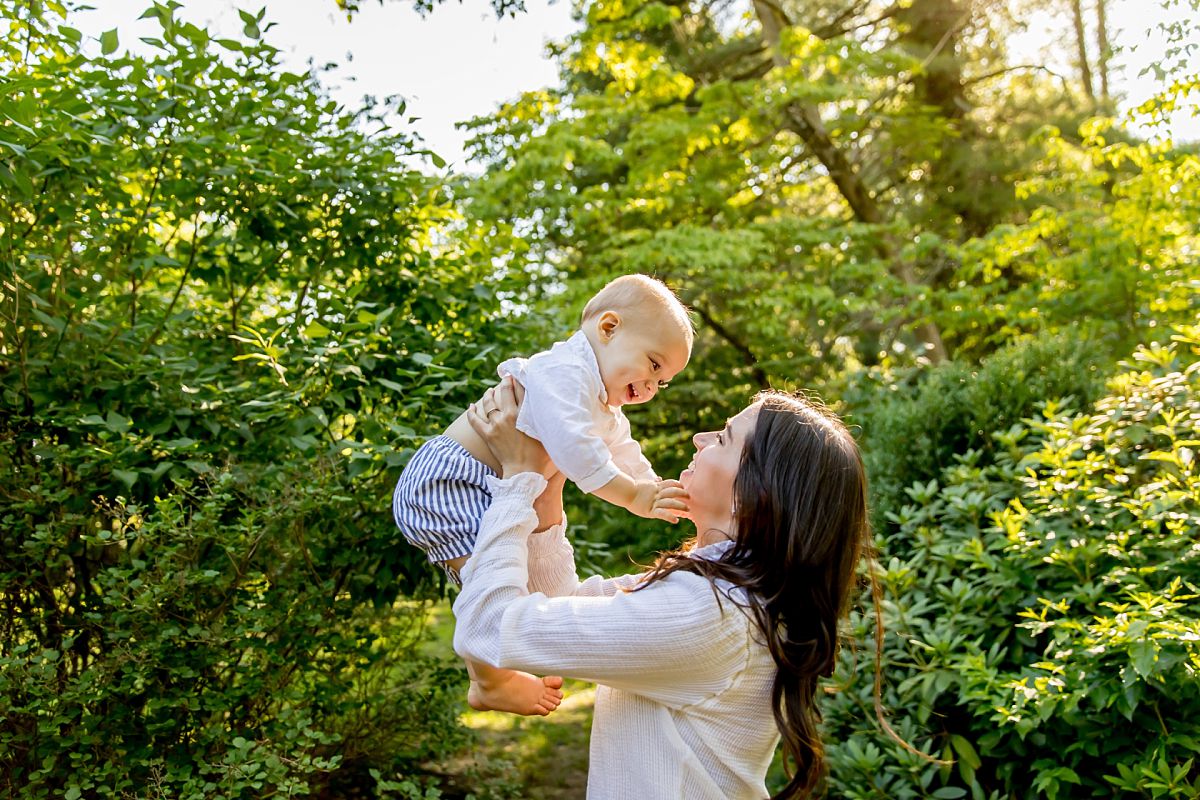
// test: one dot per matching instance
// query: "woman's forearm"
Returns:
(498, 571)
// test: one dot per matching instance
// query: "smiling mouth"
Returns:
(631, 392)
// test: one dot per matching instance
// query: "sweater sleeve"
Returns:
(551, 562)
(672, 642)
(552, 568)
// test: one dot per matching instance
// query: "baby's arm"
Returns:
(557, 411)
(627, 452)
(650, 499)
(642, 491)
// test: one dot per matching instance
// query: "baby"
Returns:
(634, 336)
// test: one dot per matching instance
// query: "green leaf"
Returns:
(54, 323)
(108, 41)
(160, 469)
(1069, 775)
(1144, 653)
(127, 477)
(966, 751)
(315, 330)
(1136, 433)
(949, 793)
(117, 423)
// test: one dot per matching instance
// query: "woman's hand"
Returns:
(494, 418)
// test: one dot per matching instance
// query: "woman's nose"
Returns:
(700, 440)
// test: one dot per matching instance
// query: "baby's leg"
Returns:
(494, 689)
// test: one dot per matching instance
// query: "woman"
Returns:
(716, 652)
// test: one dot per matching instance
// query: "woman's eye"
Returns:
(720, 439)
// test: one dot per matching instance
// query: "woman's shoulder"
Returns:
(711, 600)
(707, 623)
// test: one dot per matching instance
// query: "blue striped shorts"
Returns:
(440, 498)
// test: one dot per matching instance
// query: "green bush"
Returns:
(918, 429)
(1043, 617)
(209, 652)
(230, 308)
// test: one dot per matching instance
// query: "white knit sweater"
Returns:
(683, 708)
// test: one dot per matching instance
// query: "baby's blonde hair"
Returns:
(639, 294)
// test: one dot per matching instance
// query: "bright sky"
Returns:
(461, 61)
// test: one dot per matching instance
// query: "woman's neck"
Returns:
(707, 533)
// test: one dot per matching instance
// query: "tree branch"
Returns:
(833, 28)
(178, 289)
(760, 376)
(997, 72)
(805, 120)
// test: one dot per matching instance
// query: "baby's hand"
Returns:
(665, 500)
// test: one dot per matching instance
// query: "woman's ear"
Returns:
(607, 325)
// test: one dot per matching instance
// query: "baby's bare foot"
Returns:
(516, 693)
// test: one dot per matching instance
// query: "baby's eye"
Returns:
(655, 365)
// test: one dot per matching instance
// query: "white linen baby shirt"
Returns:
(683, 707)
(566, 409)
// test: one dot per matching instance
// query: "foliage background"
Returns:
(231, 308)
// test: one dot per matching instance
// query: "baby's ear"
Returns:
(608, 323)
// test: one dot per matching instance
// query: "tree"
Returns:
(1040, 616)
(826, 150)
(828, 184)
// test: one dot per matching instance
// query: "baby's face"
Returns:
(640, 357)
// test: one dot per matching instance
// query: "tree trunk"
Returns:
(1085, 70)
(805, 121)
(1104, 47)
(933, 28)
(961, 179)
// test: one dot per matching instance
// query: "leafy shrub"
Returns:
(228, 313)
(210, 651)
(918, 430)
(1043, 615)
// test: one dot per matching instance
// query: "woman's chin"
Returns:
(685, 478)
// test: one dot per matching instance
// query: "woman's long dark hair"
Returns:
(800, 528)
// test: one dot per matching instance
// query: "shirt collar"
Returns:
(714, 551)
(580, 344)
